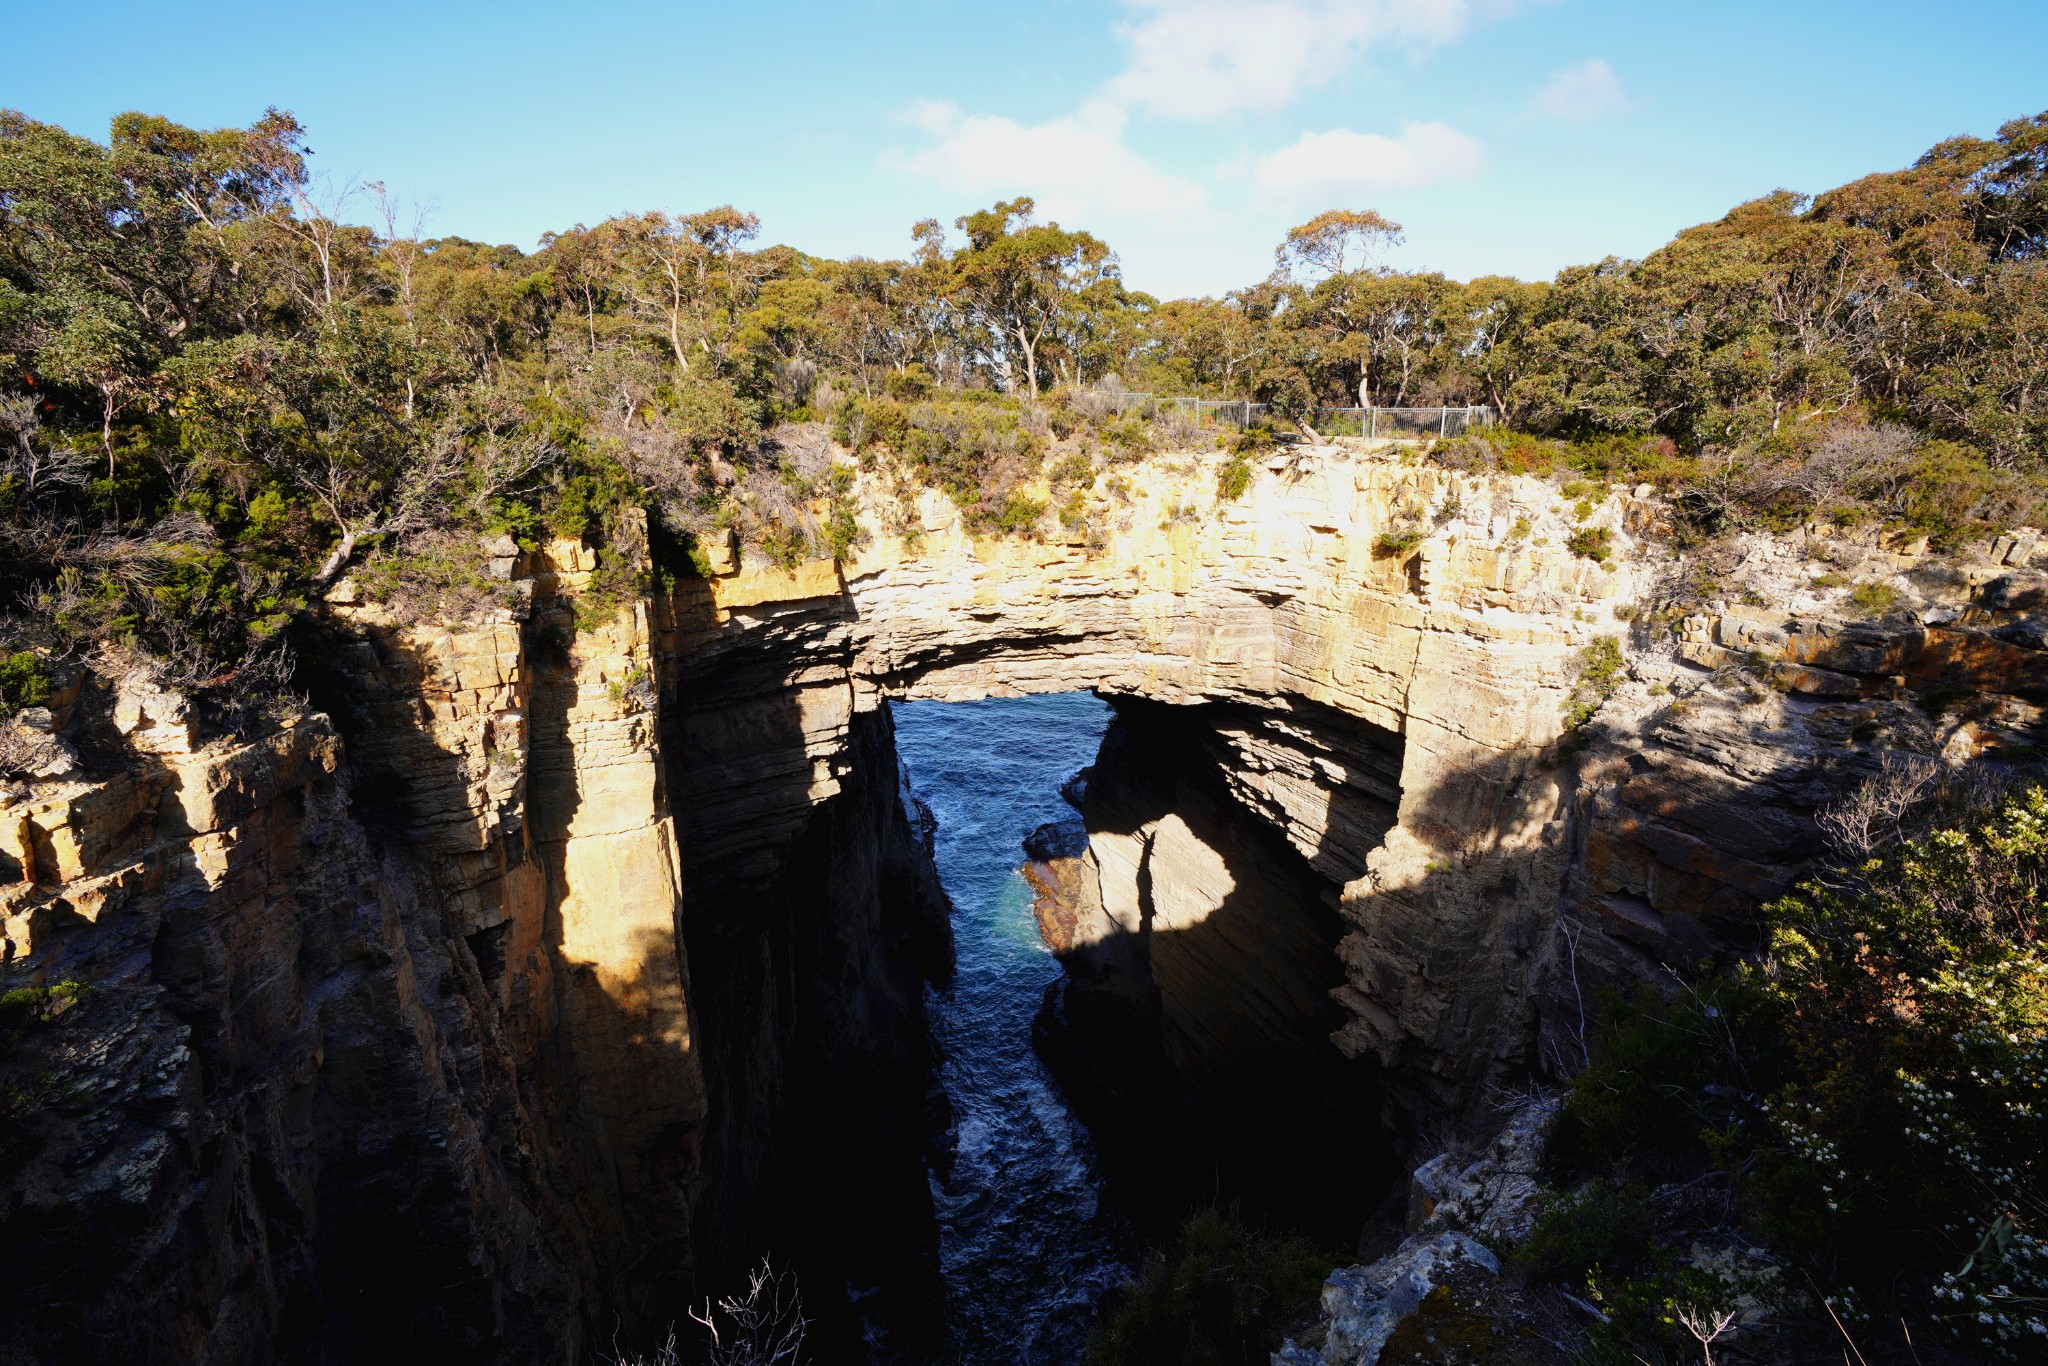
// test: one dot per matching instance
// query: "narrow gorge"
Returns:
(554, 966)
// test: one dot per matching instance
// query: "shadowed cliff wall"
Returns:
(404, 1039)
(1193, 1026)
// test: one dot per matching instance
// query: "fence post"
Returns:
(1374, 415)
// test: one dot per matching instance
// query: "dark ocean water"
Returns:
(1026, 1245)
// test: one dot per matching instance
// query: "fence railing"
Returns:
(1366, 422)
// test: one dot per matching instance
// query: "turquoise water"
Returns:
(1025, 1243)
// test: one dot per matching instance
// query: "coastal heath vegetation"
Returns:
(227, 384)
(1849, 1124)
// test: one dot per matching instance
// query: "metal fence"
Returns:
(1408, 423)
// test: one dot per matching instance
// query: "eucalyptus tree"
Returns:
(1021, 282)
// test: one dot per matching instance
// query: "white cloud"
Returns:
(1076, 167)
(1334, 169)
(1582, 93)
(1202, 59)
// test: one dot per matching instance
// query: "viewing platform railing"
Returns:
(1367, 422)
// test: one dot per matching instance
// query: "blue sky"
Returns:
(1509, 136)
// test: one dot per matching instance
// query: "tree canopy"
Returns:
(226, 382)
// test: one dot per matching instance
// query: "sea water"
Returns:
(1026, 1244)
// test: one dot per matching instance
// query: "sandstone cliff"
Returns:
(391, 1047)
(1394, 710)
(556, 963)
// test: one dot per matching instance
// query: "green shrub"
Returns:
(24, 682)
(1132, 438)
(1590, 543)
(1604, 1223)
(1466, 454)
(911, 383)
(1874, 1086)
(443, 580)
(613, 584)
(1234, 479)
(1634, 459)
(1017, 513)
(1522, 453)
(25, 1007)
(585, 506)
(1071, 469)
(515, 518)
(842, 531)
(1873, 599)
(1596, 675)
(1397, 540)
(1255, 439)
(784, 543)
(710, 414)
(1953, 489)
(1220, 1294)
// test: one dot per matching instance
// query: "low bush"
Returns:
(1071, 470)
(1597, 673)
(1466, 454)
(1874, 1087)
(842, 533)
(1873, 599)
(438, 578)
(1398, 540)
(24, 682)
(1590, 543)
(1219, 1294)
(1256, 439)
(1603, 1223)
(1016, 514)
(1234, 478)
(614, 583)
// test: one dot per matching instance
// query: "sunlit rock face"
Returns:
(484, 1007)
(1380, 714)
(380, 1025)
(1395, 712)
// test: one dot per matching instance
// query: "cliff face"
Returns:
(1193, 1025)
(577, 959)
(813, 918)
(1392, 710)
(376, 1030)
(392, 1046)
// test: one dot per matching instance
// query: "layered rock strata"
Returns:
(1376, 660)
(579, 953)
(391, 1047)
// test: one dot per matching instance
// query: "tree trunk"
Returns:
(675, 343)
(107, 440)
(337, 560)
(1030, 362)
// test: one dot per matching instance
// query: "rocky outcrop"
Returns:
(1452, 1205)
(1193, 1022)
(578, 955)
(1394, 709)
(391, 1046)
